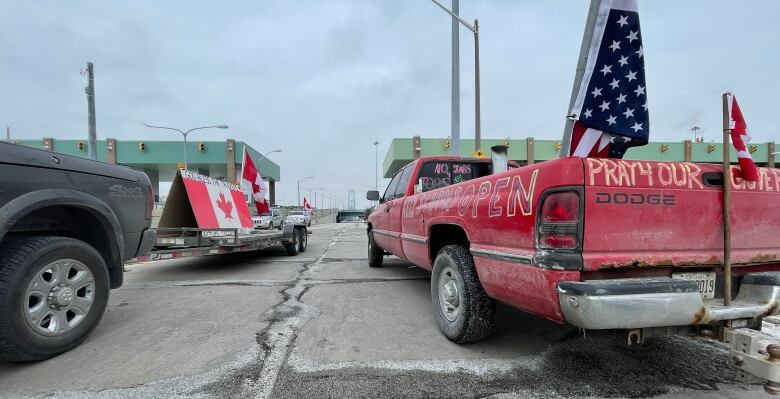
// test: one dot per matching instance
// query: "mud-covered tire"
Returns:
(454, 280)
(21, 261)
(375, 254)
(292, 247)
(303, 240)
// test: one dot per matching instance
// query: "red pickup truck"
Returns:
(596, 243)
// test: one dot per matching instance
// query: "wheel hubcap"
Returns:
(59, 297)
(449, 293)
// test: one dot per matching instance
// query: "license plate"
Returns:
(704, 280)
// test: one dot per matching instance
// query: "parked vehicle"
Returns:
(67, 225)
(597, 243)
(302, 217)
(271, 220)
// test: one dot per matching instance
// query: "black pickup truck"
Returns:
(67, 225)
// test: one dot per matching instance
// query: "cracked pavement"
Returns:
(325, 325)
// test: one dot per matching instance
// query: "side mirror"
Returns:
(372, 195)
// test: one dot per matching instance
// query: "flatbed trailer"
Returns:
(174, 243)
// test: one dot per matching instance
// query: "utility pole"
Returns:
(8, 133)
(455, 112)
(90, 91)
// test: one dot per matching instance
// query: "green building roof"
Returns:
(164, 156)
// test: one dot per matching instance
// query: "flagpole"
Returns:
(243, 165)
(582, 61)
(726, 203)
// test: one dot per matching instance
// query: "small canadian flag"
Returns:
(251, 175)
(306, 204)
(739, 138)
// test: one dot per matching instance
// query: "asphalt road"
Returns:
(325, 325)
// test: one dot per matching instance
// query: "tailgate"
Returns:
(644, 213)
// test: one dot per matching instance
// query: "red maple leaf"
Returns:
(225, 206)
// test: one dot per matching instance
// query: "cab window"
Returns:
(438, 174)
(403, 183)
(390, 190)
(435, 175)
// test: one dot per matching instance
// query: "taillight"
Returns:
(559, 221)
(149, 203)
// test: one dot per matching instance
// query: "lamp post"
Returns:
(696, 130)
(299, 188)
(376, 165)
(475, 30)
(314, 190)
(270, 152)
(185, 134)
(330, 199)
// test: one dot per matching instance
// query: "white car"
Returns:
(268, 221)
(300, 217)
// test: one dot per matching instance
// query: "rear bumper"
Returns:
(660, 302)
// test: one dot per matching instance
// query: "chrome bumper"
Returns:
(661, 302)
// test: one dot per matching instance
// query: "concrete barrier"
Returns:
(321, 216)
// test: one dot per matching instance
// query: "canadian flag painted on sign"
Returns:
(216, 204)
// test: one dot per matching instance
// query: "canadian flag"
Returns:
(739, 137)
(251, 175)
(216, 204)
(306, 204)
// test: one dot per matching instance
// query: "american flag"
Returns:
(739, 138)
(610, 109)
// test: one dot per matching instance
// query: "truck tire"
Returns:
(53, 292)
(463, 310)
(303, 239)
(375, 254)
(292, 247)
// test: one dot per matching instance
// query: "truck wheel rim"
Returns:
(59, 297)
(449, 293)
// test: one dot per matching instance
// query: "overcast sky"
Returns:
(323, 80)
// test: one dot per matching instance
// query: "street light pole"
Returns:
(455, 100)
(185, 135)
(475, 30)
(299, 188)
(477, 114)
(270, 152)
(376, 165)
